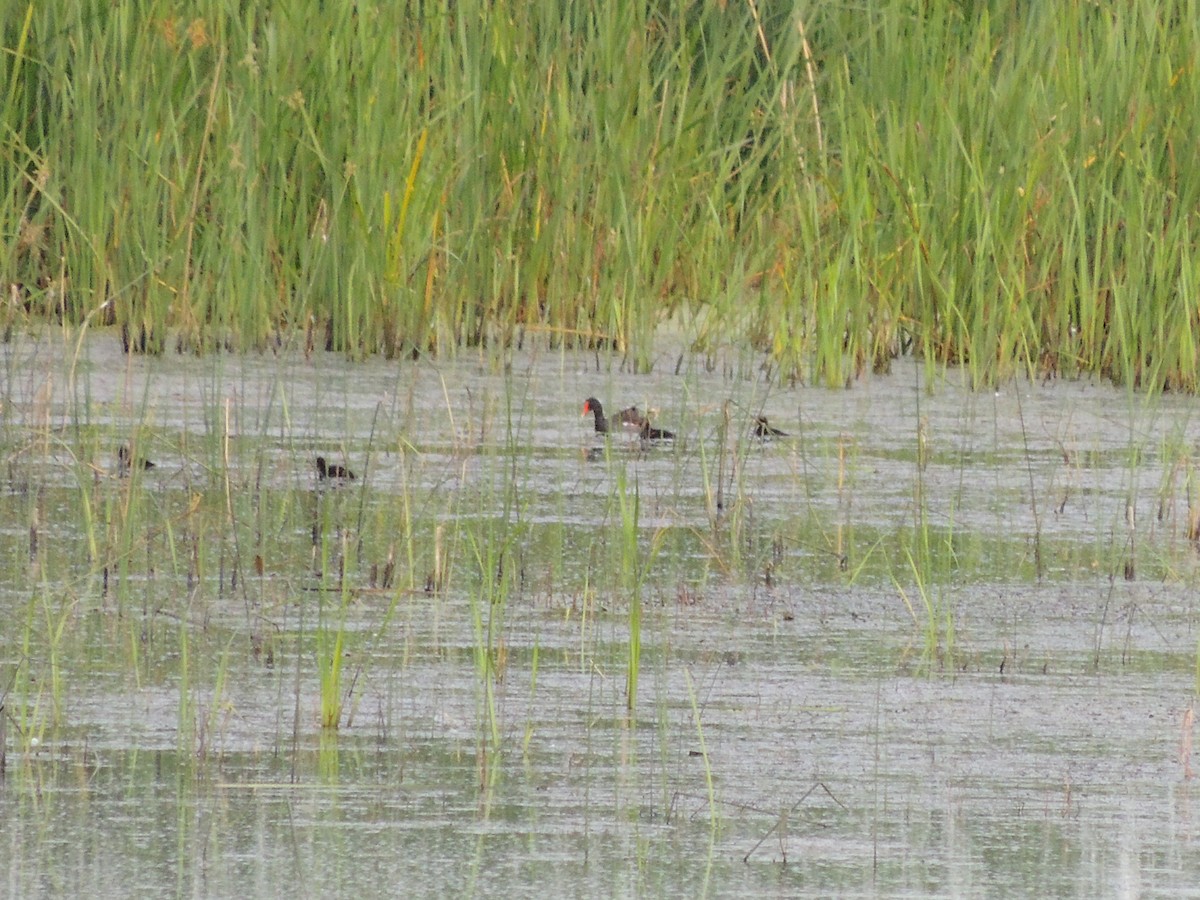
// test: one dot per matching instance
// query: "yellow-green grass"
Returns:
(988, 184)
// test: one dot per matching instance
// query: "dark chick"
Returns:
(126, 462)
(764, 429)
(332, 471)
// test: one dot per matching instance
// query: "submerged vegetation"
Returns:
(473, 533)
(1000, 185)
(506, 620)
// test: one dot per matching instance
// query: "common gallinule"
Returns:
(332, 471)
(125, 462)
(630, 420)
(764, 429)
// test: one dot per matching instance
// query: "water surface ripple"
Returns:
(934, 642)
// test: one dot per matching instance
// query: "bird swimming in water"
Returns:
(126, 462)
(764, 429)
(332, 471)
(629, 420)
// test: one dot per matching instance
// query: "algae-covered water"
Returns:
(933, 642)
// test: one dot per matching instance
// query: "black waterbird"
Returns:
(764, 429)
(630, 420)
(332, 471)
(126, 462)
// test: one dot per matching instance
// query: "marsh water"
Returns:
(934, 642)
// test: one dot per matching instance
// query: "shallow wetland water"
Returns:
(934, 643)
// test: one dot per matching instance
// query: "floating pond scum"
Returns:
(933, 640)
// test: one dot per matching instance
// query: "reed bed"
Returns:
(986, 184)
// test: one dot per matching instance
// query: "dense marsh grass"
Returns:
(988, 184)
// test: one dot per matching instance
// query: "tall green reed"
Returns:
(634, 563)
(834, 187)
(548, 168)
(496, 540)
(628, 506)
